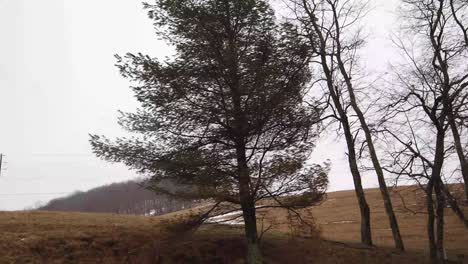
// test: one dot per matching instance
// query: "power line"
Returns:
(54, 193)
(25, 194)
(57, 154)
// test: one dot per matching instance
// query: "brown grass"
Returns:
(51, 237)
(339, 220)
(55, 237)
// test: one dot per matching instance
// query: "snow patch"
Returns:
(151, 213)
(341, 222)
(232, 218)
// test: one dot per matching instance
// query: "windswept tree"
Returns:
(225, 118)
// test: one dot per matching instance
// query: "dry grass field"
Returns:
(338, 219)
(342, 206)
(56, 237)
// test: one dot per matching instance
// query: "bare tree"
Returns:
(307, 14)
(422, 110)
(458, 10)
(454, 112)
(332, 26)
(459, 17)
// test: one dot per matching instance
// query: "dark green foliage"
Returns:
(234, 91)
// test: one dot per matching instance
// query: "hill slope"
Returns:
(60, 237)
(339, 217)
(122, 198)
(54, 237)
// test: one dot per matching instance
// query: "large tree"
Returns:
(225, 118)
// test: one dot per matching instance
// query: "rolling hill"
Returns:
(128, 197)
(65, 237)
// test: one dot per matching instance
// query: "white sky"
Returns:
(58, 83)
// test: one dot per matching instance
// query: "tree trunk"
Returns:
(246, 193)
(386, 196)
(454, 205)
(378, 169)
(460, 152)
(254, 255)
(366, 234)
(430, 221)
(370, 144)
(375, 161)
(437, 253)
(440, 222)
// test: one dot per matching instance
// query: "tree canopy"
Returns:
(236, 84)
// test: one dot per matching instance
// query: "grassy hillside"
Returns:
(338, 218)
(58, 237)
(342, 206)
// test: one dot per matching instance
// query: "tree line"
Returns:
(234, 115)
(119, 198)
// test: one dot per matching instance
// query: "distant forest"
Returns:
(121, 198)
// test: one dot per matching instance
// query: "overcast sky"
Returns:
(58, 83)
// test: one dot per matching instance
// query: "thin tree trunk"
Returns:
(366, 233)
(460, 152)
(440, 222)
(430, 221)
(370, 144)
(380, 175)
(437, 253)
(375, 161)
(439, 62)
(454, 205)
